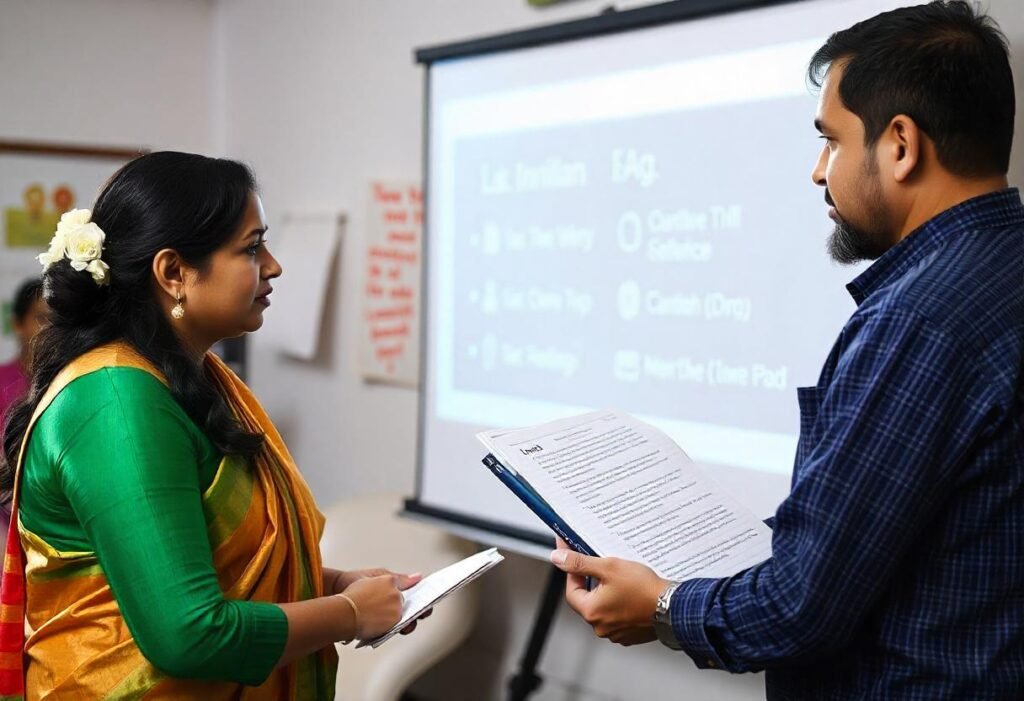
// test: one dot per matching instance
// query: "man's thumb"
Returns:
(574, 562)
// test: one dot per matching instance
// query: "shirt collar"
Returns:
(995, 209)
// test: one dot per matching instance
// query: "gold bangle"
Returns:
(355, 616)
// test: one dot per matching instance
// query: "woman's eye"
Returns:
(254, 249)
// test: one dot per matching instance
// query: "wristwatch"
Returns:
(663, 620)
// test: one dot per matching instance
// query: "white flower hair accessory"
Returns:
(81, 242)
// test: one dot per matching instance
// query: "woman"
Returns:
(28, 315)
(169, 546)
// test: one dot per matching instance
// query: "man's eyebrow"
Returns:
(821, 126)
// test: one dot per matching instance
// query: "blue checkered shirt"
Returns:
(897, 567)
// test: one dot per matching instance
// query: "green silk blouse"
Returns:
(115, 467)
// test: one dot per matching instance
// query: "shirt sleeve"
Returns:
(130, 474)
(898, 419)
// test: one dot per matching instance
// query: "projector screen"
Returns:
(628, 221)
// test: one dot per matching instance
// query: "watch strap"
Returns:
(663, 617)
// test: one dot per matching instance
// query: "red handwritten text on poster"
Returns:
(392, 275)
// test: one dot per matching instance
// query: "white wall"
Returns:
(106, 72)
(320, 100)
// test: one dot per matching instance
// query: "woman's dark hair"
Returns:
(944, 65)
(30, 291)
(182, 201)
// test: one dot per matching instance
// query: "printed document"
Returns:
(629, 491)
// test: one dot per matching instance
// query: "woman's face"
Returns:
(32, 323)
(228, 298)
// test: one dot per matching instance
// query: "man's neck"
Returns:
(945, 193)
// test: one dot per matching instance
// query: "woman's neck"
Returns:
(194, 348)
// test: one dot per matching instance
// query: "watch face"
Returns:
(665, 602)
(662, 618)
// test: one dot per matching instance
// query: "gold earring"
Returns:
(177, 311)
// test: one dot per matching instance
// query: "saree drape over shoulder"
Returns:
(160, 582)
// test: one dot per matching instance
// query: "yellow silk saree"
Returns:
(61, 632)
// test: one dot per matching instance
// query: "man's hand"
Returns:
(621, 607)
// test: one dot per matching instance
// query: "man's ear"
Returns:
(905, 146)
(169, 272)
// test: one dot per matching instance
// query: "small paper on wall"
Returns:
(389, 340)
(305, 248)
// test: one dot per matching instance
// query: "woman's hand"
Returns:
(378, 602)
(343, 580)
(373, 608)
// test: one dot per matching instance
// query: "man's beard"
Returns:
(848, 244)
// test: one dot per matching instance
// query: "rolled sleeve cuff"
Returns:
(688, 611)
(267, 629)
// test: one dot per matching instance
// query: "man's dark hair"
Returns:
(944, 65)
(30, 291)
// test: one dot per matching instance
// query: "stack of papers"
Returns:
(436, 587)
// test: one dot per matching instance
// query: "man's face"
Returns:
(849, 172)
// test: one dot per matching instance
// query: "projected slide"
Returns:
(620, 257)
(625, 279)
(633, 231)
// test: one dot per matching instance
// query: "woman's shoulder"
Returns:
(110, 373)
(127, 391)
(118, 354)
(108, 407)
(117, 377)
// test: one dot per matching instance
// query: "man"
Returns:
(897, 567)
